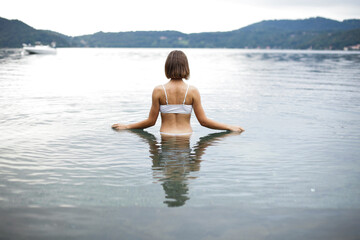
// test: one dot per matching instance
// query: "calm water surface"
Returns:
(300, 150)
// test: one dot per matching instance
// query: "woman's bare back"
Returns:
(177, 92)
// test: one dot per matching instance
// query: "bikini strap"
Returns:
(165, 94)
(186, 93)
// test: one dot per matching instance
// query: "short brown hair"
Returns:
(176, 65)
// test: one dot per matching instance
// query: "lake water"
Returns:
(293, 174)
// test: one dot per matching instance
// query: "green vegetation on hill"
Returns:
(13, 33)
(131, 39)
(315, 33)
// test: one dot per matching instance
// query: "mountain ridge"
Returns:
(315, 33)
(309, 24)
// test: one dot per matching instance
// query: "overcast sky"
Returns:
(78, 17)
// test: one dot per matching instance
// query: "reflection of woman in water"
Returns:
(175, 100)
(174, 161)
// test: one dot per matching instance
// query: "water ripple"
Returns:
(300, 149)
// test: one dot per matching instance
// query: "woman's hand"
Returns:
(236, 129)
(119, 126)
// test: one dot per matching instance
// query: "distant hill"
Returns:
(311, 24)
(315, 33)
(14, 32)
(132, 39)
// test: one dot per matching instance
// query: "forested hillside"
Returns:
(312, 33)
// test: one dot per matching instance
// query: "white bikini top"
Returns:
(176, 108)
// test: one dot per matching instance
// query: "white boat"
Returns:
(39, 49)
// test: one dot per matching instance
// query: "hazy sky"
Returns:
(78, 17)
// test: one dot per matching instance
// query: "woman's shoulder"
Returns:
(193, 89)
(158, 87)
(158, 91)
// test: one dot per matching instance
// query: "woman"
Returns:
(175, 100)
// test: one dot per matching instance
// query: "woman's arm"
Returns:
(205, 121)
(150, 121)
